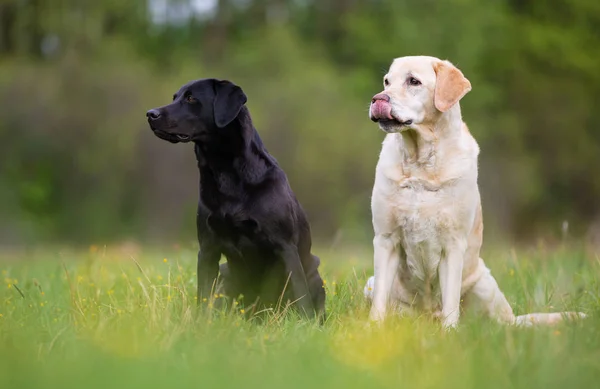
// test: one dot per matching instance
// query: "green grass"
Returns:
(94, 319)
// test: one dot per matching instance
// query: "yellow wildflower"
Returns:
(242, 311)
(165, 260)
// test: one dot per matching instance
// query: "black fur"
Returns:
(247, 210)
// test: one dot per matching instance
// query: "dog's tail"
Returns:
(503, 312)
(535, 319)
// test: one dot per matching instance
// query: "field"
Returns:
(103, 318)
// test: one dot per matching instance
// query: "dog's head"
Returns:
(417, 90)
(198, 109)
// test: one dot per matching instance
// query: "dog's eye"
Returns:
(386, 82)
(190, 99)
(413, 81)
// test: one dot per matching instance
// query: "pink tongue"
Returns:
(381, 110)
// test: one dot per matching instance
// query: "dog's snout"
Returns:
(381, 109)
(153, 114)
(381, 96)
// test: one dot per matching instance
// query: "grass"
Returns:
(95, 319)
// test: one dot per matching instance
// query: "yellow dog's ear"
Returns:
(450, 87)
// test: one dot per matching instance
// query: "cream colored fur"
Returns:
(426, 204)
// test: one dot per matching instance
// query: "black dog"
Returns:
(247, 210)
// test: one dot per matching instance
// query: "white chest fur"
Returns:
(423, 208)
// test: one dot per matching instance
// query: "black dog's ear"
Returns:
(228, 102)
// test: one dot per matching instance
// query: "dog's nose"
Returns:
(381, 96)
(153, 114)
(381, 108)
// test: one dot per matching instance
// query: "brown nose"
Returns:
(381, 96)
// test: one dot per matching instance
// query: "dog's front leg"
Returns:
(450, 275)
(386, 261)
(208, 269)
(297, 278)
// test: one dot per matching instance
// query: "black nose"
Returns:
(153, 114)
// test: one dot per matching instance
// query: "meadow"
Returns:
(101, 317)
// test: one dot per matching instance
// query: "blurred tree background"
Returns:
(78, 162)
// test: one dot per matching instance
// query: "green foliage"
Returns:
(79, 163)
(100, 320)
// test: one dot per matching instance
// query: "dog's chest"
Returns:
(426, 220)
(235, 229)
(421, 234)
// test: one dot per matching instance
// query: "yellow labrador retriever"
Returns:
(426, 205)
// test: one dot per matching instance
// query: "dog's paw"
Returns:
(368, 289)
(376, 315)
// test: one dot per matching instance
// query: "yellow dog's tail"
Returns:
(532, 319)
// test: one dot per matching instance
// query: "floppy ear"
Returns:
(450, 87)
(228, 102)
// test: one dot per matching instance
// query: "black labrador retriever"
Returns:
(247, 210)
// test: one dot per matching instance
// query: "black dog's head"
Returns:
(198, 108)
